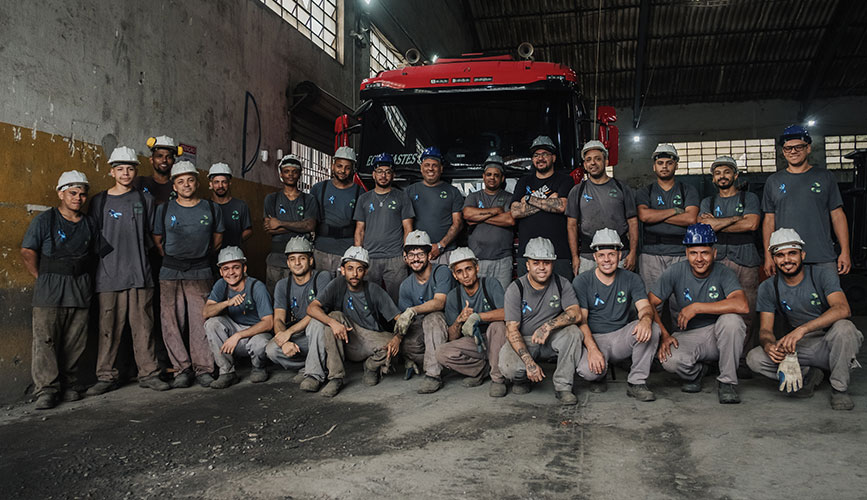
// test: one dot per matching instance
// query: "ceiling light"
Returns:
(636, 138)
(811, 123)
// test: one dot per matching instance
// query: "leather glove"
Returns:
(403, 321)
(472, 320)
(789, 373)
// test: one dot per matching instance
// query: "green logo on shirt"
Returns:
(677, 200)
(235, 215)
(814, 299)
(485, 305)
(816, 187)
(713, 292)
(205, 220)
(613, 193)
(554, 302)
(740, 208)
(621, 297)
(310, 296)
(392, 204)
(444, 194)
(137, 208)
(352, 203)
(300, 210)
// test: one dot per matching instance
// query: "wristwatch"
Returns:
(440, 247)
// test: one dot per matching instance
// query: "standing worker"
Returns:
(337, 198)
(164, 153)
(437, 205)
(236, 213)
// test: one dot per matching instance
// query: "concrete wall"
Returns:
(79, 77)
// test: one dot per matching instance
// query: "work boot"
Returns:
(497, 390)
(727, 394)
(101, 387)
(411, 369)
(477, 380)
(154, 383)
(70, 395)
(299, 377)
(640, 392)
(744, 372)
(225, 380)
(566, 398)
(695, 384)
(205, 379)
(811, 381)
(183, 380)
(310, 384)
(840, 400)
(45, 401)
(599, 386)
(519, 388)
(370, 377)
(430, 385)
(332, 387)
(258, 375)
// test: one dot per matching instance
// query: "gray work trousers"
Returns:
(425, 335)
(650, 268)
(563, 344)
(59, 339)
(833, 350)
(749, 280)
(443, 258)
(462, 356)
(389, 273)
(116, 309)
(273, 274)
(364, 345)
(182, 302)
(275, 353)
(500, 269)
(220, 328)
(326, 261)
(722, 341)
(563, 267)
(619, 345)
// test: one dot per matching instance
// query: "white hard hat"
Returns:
(543, 142)
(219, 169)
(164, 142)
(417, 238)
(461, 254)
(71, 178)
(184, 167)
(725, 160)
(289, 159)
(298, 244)
(230, 254)
(665, 151)
(606, 238)
(495, 160)
(540, 248)
(123, 154)
(356, 253)
(784, 239)
(345, 153)
(590, 145)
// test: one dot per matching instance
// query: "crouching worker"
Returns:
(474, 313)
(607, 295)
(542, 314)
(238, 319)
(352, 318)
(422, 300)
(290, 346)
(57, 250)
(709, 327)
(817, 332)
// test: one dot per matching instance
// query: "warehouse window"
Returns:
(837, 146)
(318, 20)
(316, 165)
(383, 54)
(752, 155)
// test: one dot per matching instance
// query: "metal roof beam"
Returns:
(640, 59)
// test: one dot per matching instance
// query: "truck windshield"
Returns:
(467, 127)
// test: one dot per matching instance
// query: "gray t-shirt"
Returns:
(256, 305)
(355, 306)
(61, 240)
(294, 299)
(236, 218)
(487, 241)
(537, 306)
(336, 207)
(804, 202)
(413, 293)
(277, 205)
(802, 302)
(187, 234)
(608, 306)
(680, 195)
(599, 206)
(680, 283)
(127, 224)
(383, 216)
(744, 254)
(457, 298)
(434, 206)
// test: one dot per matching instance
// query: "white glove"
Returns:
(789, 373)
(403, 321)
(471, 321)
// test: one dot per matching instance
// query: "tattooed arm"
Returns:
(554, 204)
(521, 209)
(513, 335)
(571, 316)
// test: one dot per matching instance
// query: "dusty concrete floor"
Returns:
(389, 442)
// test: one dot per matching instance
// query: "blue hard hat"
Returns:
(699, 234)
(795, 132)
(431, 152)
(383, 159)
